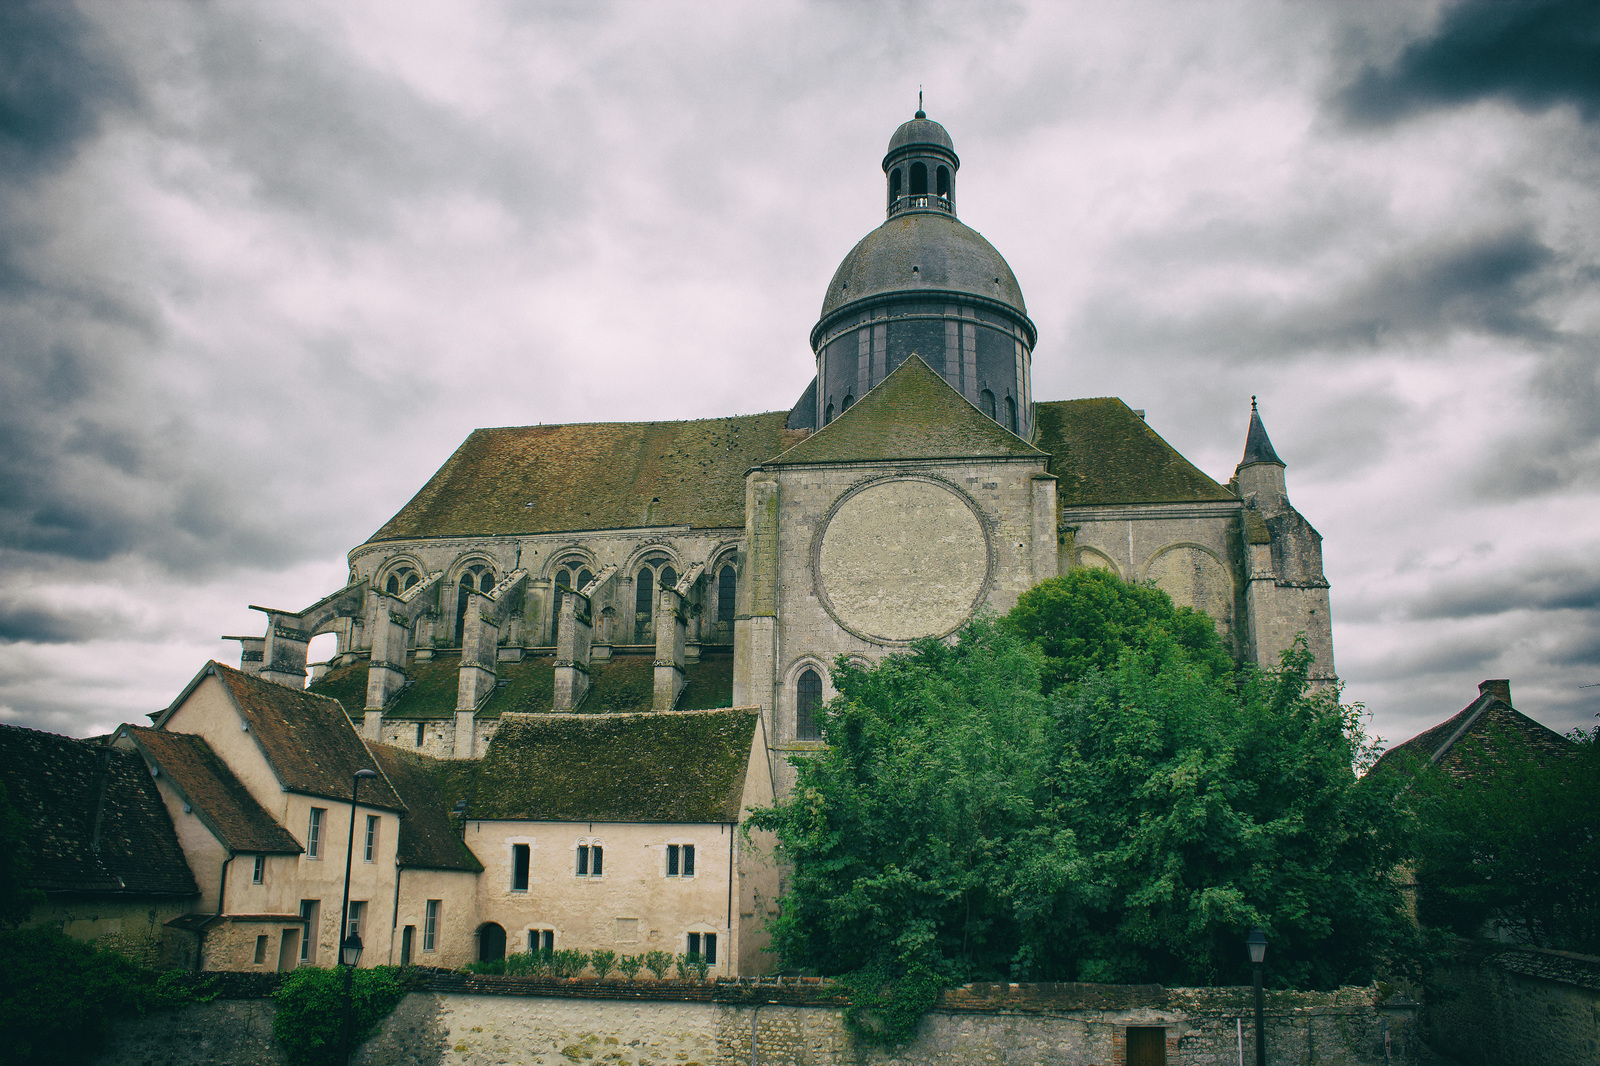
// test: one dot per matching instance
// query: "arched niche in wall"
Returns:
(1194, 577)
(1096, 560)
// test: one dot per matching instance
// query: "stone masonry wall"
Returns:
(612, 1024)
(1515, 1007)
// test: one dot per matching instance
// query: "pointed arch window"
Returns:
(400, 580)
(474, 579)
(644, 601)
(828, 417)
(569, 575)
(1011, 414)
(849, 401)
(986, 402)
(807, 705)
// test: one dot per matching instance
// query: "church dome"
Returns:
(922, 252)
(921, 131)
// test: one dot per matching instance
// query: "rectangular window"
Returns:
(310, 910)
(261, 949)
(541, 940)
(680, 860)
(419, 734)
(259, 873)
(357, 912)
(369, 849)
(704, 945)
(591, 857)
(520, 855)
(583, 860)
(430, 926)
(314, 833)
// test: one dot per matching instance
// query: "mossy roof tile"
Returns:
(609, 475)
(428, 840)
(912, 414)
(676, 766)
(1102, 452)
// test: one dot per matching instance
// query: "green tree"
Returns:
(1508, 839)
(1129, 826)
(59, 997)
(1087, 618)
(310, 1002)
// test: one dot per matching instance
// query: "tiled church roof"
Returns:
(1104, 453)
(912, 414)
(684, 766)
(610, 475)
(54, 783)
(205, 781)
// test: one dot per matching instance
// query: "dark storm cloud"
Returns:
(1487, 281)
(55, 79)
(41, 624)
(1558, 585)
(1533, 55)
(1563, 450)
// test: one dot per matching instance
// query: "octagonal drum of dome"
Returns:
(902, 558)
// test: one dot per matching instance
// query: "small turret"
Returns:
(1259, 476)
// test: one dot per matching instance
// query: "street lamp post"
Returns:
(349, 940)
(1257, 943)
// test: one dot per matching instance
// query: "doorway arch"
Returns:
(491, 942)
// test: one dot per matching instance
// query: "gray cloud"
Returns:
(39, 623)
(1554, 585)
(1535, 55)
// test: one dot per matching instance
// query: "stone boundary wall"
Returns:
(1500, 1005)
(476, 1021)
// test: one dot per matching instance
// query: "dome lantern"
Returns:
(920, 167)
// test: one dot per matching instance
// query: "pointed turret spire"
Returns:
(1257, 445)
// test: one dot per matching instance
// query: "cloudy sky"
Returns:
(263, 265)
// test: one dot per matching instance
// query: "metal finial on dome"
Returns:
(920, 113)
(1252, 405)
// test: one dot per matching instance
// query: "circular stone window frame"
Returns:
(986, 526)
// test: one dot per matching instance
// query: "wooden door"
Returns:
(1147, 1046)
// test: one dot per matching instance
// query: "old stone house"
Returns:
(727, 562)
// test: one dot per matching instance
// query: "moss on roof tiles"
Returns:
(912, 414)
(684, 766)
(708, 683)
(207, 783)
(431, 692)
(347, 684)
(528, 687)
(428, 840)
(308, 739)
(611, 475)
(619, 684)
(1102, 452)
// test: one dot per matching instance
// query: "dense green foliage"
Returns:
(1129, 825)
(17, 896)
(311, 1010)
(1512, 841)
(1088, 618)
(59, 997)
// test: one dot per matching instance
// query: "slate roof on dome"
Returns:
(306, 737)
(921, 130)
(54, 783)
(206, 783)
(665, 766)
(949, 256)
(602, 475)
(1102, 452)
(911, 414)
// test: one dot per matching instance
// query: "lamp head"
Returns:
(350, 950)
(1257, 943)
(366, 774)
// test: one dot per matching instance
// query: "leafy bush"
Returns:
(60, 996)
(568, 962)
(692, 966)
(658, 963)
(524, 964)
(602, 962)
(311, 1003)
(487, 967)
(630, 965)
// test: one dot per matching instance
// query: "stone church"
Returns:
(729, 561)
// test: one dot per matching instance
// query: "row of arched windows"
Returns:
(986, 404)
(917, 174)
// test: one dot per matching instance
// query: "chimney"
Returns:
(1499, 688)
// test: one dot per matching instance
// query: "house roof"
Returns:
(666, 766)
(1488, 720)
(307, 738)
(428, 840)
(1103, 452)
(210, 787)
(605, 475)
(912, 414)
(55, 783)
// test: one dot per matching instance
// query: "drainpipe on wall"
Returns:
(729, 948)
